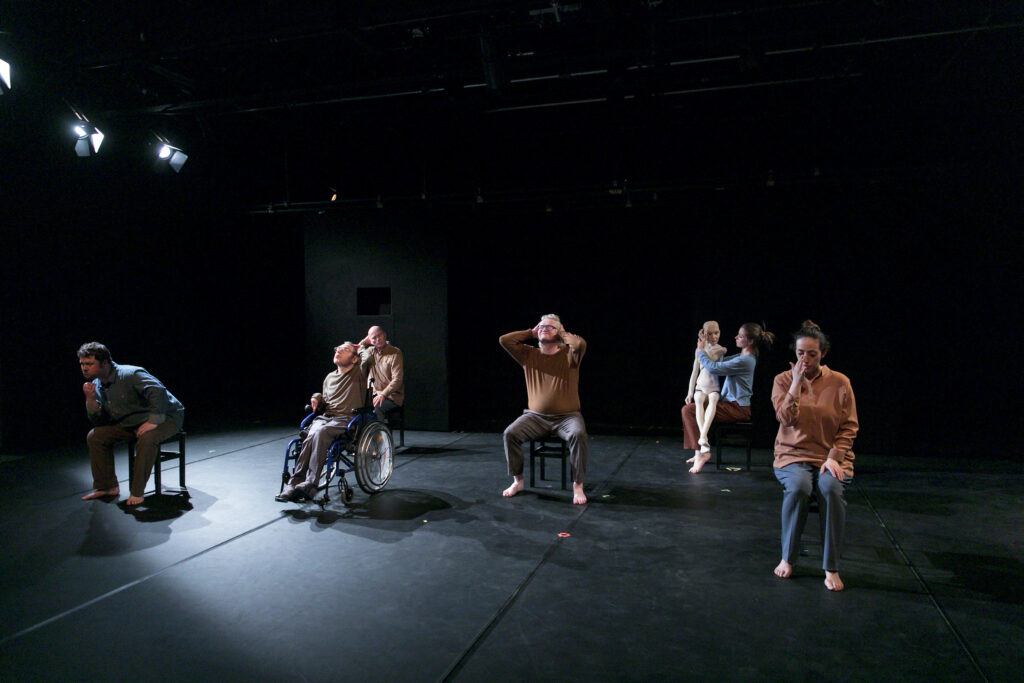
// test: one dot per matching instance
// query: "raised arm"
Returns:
(93, 407)
(577, 346)
(787, 403)
(740, 364)
(513, 343)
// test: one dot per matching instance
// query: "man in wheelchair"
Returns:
(343, 395)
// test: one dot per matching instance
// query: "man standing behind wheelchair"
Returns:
(343, 393)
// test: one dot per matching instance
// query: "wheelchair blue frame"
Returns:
(366, 448)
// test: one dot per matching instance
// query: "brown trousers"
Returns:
(101, 442)
(727, 411)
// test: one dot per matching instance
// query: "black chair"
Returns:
(732, 434)
(163, 456)
(396, 420)
(548, 447)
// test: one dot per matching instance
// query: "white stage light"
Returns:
(89, 139)
(5, 77)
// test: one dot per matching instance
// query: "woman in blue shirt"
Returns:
(737, 388)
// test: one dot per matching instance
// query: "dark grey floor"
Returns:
(663, 576)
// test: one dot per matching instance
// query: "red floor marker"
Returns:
(563, 535)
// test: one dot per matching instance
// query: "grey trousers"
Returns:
(798, 480)
(385, 407)
(531, 425)
(313, 454)
(101, 441)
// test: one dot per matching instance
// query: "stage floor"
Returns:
(662, 576)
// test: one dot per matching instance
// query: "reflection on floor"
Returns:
(664, 575)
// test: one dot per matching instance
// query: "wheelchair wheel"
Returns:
(347, 494)
(374, 457)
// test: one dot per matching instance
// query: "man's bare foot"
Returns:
(134, 500)
(699, 460)
(102, 493)
(515, 488)
(578, 497)
(833, 582)
(784, 570)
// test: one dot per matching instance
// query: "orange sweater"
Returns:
(552, 381)
(820, 424)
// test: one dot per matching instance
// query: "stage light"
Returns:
(89, 139)
(5, 77)
(174, 157)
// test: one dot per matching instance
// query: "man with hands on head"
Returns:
(552, 371)
(124, 402)
(343, 393)
(385, 365)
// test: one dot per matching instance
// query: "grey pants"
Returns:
(101, 441)
(313, 455)
(531, 425)
(799, 480)
(385, 407)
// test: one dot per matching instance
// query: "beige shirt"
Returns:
(344, 392)
(387, 368)
(821, 423)
(552, 381)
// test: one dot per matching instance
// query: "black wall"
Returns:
(164, 270)
(401, 250)
(912, 272)
(911, 277)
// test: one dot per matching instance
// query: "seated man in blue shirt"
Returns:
(124, 402)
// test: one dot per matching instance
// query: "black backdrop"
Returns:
(913, 273)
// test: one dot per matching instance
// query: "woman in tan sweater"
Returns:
(817, 418)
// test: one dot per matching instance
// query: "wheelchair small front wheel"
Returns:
(374, 457)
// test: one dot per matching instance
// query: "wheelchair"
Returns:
(365, 448)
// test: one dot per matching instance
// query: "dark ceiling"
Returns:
(449, 100)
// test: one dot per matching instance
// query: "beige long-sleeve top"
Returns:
(821, 423)
(552, 381)
(387, 368)
(343, 392)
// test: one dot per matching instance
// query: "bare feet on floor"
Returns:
(784, 570)
(578, 497)
(515, 488)
(833, 582)
(134, 500)
(699, 460)
(102, 493)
